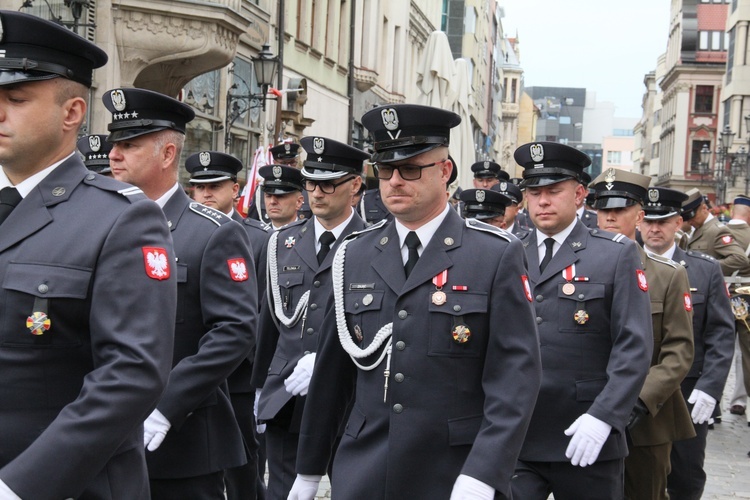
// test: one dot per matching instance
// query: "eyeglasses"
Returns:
(407, 172)
(327, 187)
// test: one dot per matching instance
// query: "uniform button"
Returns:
(581, 296)
(539, 298)
(356, 305)
(313, 306)
(399, 377)
(402, 314)
(397, 408)
(287, 282)
(43, 288)
(307, 352)
(539, 320)
(400, 345)
(310, 331)
(90, 177)
(456, 308)
(316, 284)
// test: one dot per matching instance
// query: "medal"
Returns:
(568, 288)
(461, 334)
(358, 333)
(38, 323)
(438, 297)
(581, 317)
(569, 274)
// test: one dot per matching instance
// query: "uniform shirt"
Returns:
(559, 240)
(336, 231)
(25, 186)
(425, 234)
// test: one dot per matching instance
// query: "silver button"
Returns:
(397, 408)
(581, 296)
(90, 177)
(307, 352)
(313, 306)
(456, 308)
(316, 284)
(539, 298)
(43, 288)
(399, 377)
(310, 331)
(356, 305)
(400, 345)
(539, 320)
(402, 314)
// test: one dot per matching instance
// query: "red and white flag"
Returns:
(246, 199)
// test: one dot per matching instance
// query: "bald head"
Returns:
(741, 212)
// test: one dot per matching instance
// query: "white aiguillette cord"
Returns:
(274, 277)
(345, 337)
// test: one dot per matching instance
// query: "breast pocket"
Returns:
(458, 327)
(579, 304)
(45, 305)
(290, 289)
(363, 309)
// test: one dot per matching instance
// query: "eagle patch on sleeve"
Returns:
(642, 282)
(157, 263)
(237, 269)
(727, 239)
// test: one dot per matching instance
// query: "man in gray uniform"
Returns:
(594, 320)
(214, 180)
(713, 334)
(511, 211)
(300, 257)
(95, 150)
(89, 285)
(192, 435)
(440, 355)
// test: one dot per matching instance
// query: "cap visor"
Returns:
(659, 215)
(404, 153)
(613, 202)
(206, 180)
(10, 77)
(542, 181)
(130, 133)
(317, 174)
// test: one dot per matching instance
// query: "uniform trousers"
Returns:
(281, 453)
(739, 394)
(206, 487)
(687, 479)
(743, 339)
(245, 482)
(536, 480)
(646, 471)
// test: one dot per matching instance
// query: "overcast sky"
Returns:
(601, 45)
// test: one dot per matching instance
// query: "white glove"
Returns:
(6, 493)
(468, 488)
(703, 406)
(259, 428)
(299, 381)
(589, 434)
(155, 430)
(305, 487)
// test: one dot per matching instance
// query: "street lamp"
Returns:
(728, 165)
(264, 66)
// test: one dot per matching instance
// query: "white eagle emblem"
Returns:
(486, 165)
(653, 195)
(118, 99)
(319, 145)
(390, 119)
(276, 171)
(205, 158)
(237, 269)
(157, 265)
(480, 195)
(503, 186)
(95, 143)
(537, 153)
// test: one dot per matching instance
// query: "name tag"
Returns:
(291, 268)
(362, 286)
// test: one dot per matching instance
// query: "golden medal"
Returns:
(461, 334)
(581, 317)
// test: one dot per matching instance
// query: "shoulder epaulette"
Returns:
(105, 183)
(701, 255)
(209, 213)
(616, 237)
(663, 260)
(249, 221)
(356, 234)
(293, 224)
(487, 228)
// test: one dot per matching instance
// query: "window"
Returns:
(655, 150)
(470, 21)
(704, 99)
(614, 157)
(657, 117)
(712, 40)
(514, 89)
(564, 120)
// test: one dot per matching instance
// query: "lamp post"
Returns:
(264, 66)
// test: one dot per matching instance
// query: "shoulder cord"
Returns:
(345, 337)
(274, 287)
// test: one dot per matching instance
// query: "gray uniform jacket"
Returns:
(589, 219)
(280, 348)
(597, 366)
(451, 407)
(75, 397)
(215, 325)
(713, 322)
